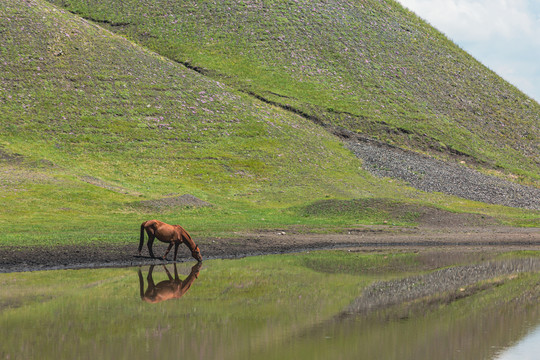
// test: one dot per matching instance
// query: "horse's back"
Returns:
(164, 231)
(151, 224)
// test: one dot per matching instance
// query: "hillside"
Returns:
(369, 66)
(98, 133)
(92, 124)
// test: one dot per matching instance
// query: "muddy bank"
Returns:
(14, 259)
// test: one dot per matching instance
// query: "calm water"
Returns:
(258, 308)
(527, 348)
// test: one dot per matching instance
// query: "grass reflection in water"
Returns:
(261, 307)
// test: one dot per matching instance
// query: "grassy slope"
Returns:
(80, 103)
(370, 66)
(90, 123)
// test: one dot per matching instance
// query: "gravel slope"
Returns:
(428, 174)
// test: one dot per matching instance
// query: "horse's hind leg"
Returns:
(151, 238)
(141, 284)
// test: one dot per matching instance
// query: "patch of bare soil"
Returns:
(10, 157)
(186, 200)
(106, 185)
(367, 238)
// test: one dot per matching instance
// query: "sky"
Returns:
(504, 35)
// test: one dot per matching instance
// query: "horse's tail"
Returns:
(141, 284)
(141, 240)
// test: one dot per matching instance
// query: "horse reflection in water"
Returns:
(173, 288)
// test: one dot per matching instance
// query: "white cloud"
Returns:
(478, 20)
(502, 34)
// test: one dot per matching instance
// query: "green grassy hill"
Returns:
(93, 124)
(369, 66)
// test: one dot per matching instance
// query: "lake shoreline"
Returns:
(365, 238)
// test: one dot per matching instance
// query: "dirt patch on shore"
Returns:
(367, 238)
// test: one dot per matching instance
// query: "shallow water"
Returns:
(527, 348)
(263, 307)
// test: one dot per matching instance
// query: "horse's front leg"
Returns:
(168, 249)
(176, 249)
(176, 277)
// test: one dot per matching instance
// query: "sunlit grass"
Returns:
(92, 123)
(372, 67)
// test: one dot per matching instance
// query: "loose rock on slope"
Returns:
(428, 174)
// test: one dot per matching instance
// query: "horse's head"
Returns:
(196, 253)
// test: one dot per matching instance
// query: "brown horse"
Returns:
(172, 234)
(167, 289)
